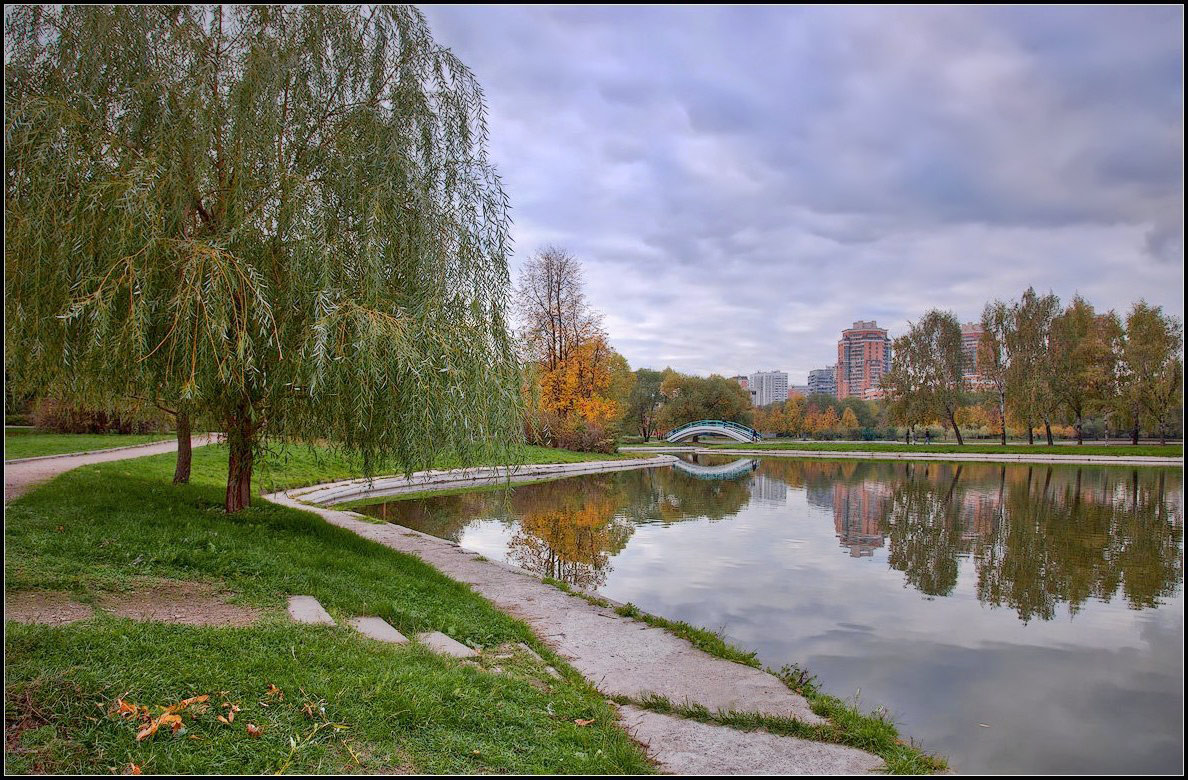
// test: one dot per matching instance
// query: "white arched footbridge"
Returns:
(736, 431)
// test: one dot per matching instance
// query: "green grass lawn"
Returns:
(27, 443)
(1168, 450)
(350, 704)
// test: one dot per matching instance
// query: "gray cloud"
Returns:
(743, 183)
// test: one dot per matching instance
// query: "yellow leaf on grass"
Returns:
(582, 722)
(165, 720)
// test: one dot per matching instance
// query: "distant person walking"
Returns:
(928, 437)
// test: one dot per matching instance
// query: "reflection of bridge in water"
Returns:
(733, 430)
(733, 470)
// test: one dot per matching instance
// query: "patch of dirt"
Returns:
(174, 601)
(49, 608)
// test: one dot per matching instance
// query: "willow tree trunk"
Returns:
(1048, 431)
(239, 465)
(1134, 432)
(185, 452)
(1030, 433)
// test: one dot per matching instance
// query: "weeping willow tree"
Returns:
(282, 218)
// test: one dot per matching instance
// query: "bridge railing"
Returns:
(751, 432)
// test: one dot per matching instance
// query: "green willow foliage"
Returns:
(283, 216)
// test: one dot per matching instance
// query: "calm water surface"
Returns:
(1013, 618)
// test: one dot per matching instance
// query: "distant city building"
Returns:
(823, 380)
(863, 356)
(767, 387)
(971, 334)
(800, 390)
(745, 384)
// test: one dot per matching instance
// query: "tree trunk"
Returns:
(239, 466)
(1048, 431)
(1002, 414)
(1030, 433)
(956, 430)
(185, 454)
(1080, 434)
(1134, 432)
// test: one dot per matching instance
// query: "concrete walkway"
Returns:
(625, 657)
(22, 475)
(923, 454)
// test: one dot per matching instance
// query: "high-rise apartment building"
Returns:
(767, 387)
(800, 390)
(863, 356)
(823, 380)
(971, 334)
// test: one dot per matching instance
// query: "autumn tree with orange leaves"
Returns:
(576, 384)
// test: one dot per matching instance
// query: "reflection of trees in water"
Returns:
(441, 516)
(670, 497)
(570, 534)
(923, 529)
(1039, 535)
(570, 529)
(1067, 538)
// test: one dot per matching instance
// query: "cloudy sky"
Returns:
(742, 183)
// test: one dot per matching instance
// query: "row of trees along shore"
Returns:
(1041, 365)
(278, 220)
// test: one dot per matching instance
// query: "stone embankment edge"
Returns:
(663, 742)
(379, 487)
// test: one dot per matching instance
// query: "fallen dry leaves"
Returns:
(170, 716)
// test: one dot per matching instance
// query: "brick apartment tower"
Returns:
(863, 355)
(971, 334)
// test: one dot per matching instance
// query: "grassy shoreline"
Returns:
(119, 527)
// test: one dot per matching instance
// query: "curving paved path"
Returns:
(22, 475)
(625, 657)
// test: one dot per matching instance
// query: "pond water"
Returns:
(1015, 618)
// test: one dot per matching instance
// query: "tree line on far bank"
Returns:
(1039, 366)
(1063, 371)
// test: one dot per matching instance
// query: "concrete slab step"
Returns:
(307, 609)
(688, 747)
(440, 643)
(379, 629)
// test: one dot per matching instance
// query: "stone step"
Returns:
(687, 747)
(440, 643)
(307, 609)
(379, 629)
